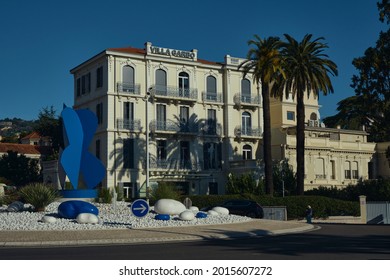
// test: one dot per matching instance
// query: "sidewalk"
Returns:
(149, 235)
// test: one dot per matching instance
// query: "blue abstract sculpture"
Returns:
(162, 217)
(76, 160)
(72, 208)
(201, 215)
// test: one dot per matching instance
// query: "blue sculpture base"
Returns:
(79, 193)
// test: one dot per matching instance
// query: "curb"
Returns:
(154, 240)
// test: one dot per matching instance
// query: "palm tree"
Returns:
(264, 61)
(306, 68)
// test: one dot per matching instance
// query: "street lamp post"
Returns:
(147, 145)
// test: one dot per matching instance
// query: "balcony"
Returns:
(212, 97)
(248, 165)
(173, 127)
(132, 125)
(320, 177)
(174, 93)
(128, 88)
(174, 164)
(212, 130)
(247, 132)
(241, 100)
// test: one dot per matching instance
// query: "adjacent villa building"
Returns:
(165, 115)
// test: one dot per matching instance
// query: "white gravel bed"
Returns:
(118, 217)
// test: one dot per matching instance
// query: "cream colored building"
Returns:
(204, 121)
(204, 118)
(333, 157)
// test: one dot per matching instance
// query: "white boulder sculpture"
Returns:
(212, 213)
(194, 209)
(87, 218)
(221, 210)
(187, 215)
(48, 219)
(169, 207)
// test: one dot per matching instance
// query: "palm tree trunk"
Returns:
(300, 143)
(269, 186)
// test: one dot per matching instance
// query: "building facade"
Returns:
(203, 118)
(165, 115)
(334, 157)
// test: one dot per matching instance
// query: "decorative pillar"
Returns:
(363, 209)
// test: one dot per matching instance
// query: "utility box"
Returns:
(278, 213)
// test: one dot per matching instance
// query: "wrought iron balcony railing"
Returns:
(240, 131)
(132, 125)
(174, 164)
(212, 97)
(320, 176)
(212, 130)
(171, 126)
(174, 92)
(242, 99)
(129, 88)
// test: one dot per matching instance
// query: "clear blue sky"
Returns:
(42, 40)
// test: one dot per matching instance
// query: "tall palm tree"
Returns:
(306, 67)
(264, 61)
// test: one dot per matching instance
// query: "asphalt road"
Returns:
(331, 242)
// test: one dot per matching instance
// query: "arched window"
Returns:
(211, 88)
(246, 123)
(128, 74)
(313, 116)
(246, 152)
(184, 84)
(128, 79)
(161, 82)
(245, 90)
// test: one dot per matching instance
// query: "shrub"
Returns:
(375, 190)
(245, 183)
(104, 195)
(38, 195)
(163, 190)
(11, 194)
(119, 193)
(296, 205)
(6, 181)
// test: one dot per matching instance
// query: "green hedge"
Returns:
(375, 190)
(296, 205)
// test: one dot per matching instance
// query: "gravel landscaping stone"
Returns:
(110, 217)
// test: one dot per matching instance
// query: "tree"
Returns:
(306, 68)
(265, 62)
(284, 178)
(384, 10)
(371, 104)
(353, 113)
(50, 125)
(19, 169)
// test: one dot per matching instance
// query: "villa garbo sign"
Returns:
(172, 52)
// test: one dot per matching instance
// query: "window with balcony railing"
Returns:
(131, 125)
(129, 88)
